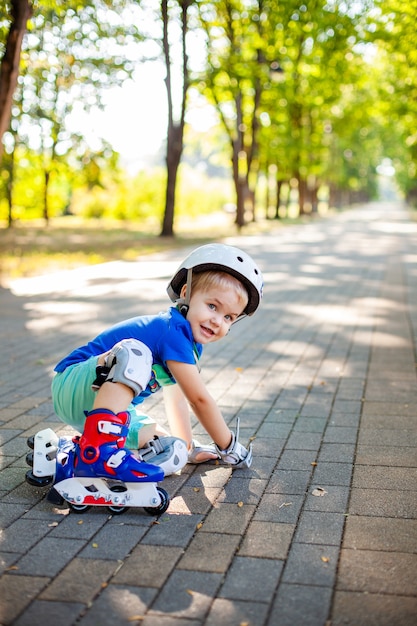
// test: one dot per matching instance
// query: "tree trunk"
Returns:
(47, 176)
(9, 70)
(173, 159)
(9, 190)
(301, 194)
(278, 199)
(175, 139)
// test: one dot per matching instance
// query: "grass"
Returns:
(32, 249)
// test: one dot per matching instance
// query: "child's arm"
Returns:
(178, 413)
(192, 389)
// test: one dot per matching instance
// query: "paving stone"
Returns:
(118, 605)
(229, 614)
(334, 500)
(173, 530)
(340, 418)
(333, 474)
(279, 508)
(377, 572)
(376, 609)
(228, 518)
(388, 436)
(167, 620)
(148, 566)
(300, 605)
(385, 478)
(81, 579)
(310, 424)
(311, 565)
(218, 550)
(297, 460)
(320, 528)
(386, 455)
(251, 579)
(340, 434)
(267, 539)
(380, 533)
(304, 441)
(113, 543)
(83, 526)
(41, 612)
(383, 503)
(16, 593)
(289, 481)
(337, 452)
(248, 491)
(49, 556)
(187, 594)
(21, 535)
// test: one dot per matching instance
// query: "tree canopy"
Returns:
(310, 96)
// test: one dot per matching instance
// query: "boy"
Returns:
(98, 387)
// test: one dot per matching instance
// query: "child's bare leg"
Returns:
(149, 431)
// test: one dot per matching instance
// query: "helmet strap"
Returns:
(184, 303)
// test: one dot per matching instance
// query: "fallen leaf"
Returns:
(95, 545)
(196, 489)
(135, 618)
(325, 559)
(313, 464)
(11, 568)
(80, 522)
(190, 592)
(53, 525)
(199, 525)
(240, 504)
(318, 491)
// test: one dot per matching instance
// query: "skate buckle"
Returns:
(109, 428)
(116, 459)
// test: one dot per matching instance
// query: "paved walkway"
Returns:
(323, 377)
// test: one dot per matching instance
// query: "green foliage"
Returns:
(346, 100)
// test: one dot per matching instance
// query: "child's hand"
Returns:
(236, 454)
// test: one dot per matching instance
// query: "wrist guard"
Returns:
(236, 454)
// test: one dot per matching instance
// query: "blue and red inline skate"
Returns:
(96, 469)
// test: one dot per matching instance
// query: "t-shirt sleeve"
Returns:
(178, 344)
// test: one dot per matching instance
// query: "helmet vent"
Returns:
(239, 258)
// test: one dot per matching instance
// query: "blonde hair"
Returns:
(202, 281)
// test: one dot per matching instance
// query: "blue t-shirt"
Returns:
(168, 336)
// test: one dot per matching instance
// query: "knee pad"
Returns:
(130, 363)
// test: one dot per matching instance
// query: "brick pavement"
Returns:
(323, 377)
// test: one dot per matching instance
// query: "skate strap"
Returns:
(117, 459)
(152, 448)
(110, 428)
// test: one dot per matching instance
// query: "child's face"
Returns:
(212, 312)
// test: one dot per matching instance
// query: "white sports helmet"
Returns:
(222, 258)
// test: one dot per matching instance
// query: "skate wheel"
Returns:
(31, 442)
(117, 510)
(38, 481)
(29, 459)
(114, 509)
(161, 508)
(78, 508)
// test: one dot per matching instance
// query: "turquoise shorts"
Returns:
(72, 395)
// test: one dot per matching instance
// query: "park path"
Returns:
(321, 530)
